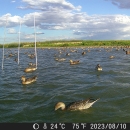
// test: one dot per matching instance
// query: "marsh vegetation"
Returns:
(71, 43)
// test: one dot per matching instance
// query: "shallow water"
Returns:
(60, 81)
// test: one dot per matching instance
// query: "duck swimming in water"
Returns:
(83, 53)
(31, 64)
(74, 62)
(111, 57)
(79, 105)
(30, 69)
(98, 67)
(60, 59)
(28, 80)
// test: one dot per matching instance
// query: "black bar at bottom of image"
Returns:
(64, 126)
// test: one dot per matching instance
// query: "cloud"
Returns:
(28, 36)
(84, 26)
(12, 31)
(31, 37)
(9, 20)
(39, 33)
(49, 5)
(123, 4)
(62, 15)
(81, 25)
(104, 27)
(13, 1)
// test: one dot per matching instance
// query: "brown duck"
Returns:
(74, 62)
(28, 80)
(78, 105)
(30, 69)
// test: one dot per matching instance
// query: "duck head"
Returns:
(60, 105)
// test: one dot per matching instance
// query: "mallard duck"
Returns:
(28, 80)
(30, 69)
(98, 67)
(78, 105)
(74, 62)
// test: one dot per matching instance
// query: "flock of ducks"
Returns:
(78, 105)
(32, 67)
(83, 104)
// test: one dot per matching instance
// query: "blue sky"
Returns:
(64, 19)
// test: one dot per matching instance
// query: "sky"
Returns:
(64, 20)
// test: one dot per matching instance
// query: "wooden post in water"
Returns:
(3, 43)
(35, 41)
(19, 41)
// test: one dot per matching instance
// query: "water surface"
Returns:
(60, 81)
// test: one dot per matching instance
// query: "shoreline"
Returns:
(72, 43)
(105, 46)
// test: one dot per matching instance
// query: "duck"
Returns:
(98, 67)
(111, 57)
(78, 105)
(127, 52)
(60, 59)
(31, 56)
(83, 53)
(16, 59)
(31, 64)
(30, 69)
(74, 62)
(67, 54)
(10, 55)
(28, 80)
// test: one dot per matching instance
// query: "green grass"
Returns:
(71, 43)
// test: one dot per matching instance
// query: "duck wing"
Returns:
(80, 105)
(77, 61)
(32, 79)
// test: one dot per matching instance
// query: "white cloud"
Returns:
(62, 15)
(85, 26)
(39, 33)
(13, 1)
(49, 5)
(29, 36)
(12, 31)
(10, 20)
(104, 27)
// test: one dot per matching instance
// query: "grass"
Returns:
(71, 43)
